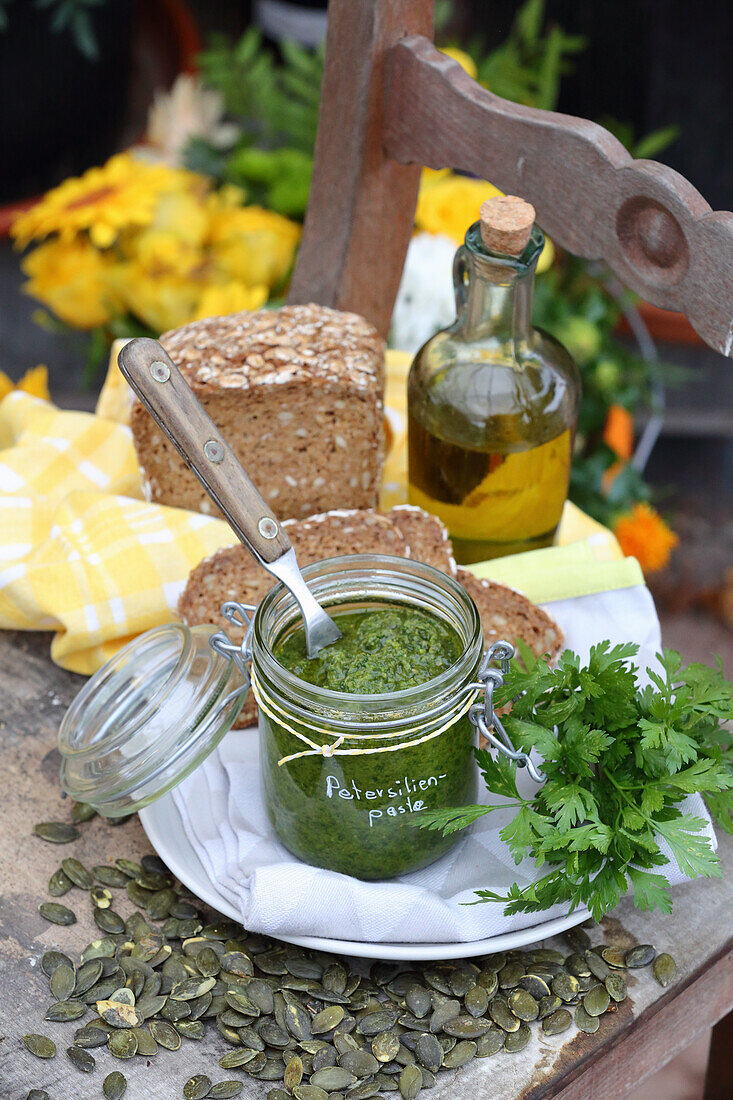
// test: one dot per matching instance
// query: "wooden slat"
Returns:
(719, 1078)
(645, 220)
(362, 203)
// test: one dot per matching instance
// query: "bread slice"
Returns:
(231, 574)
(297, 392)
(427, 537)
(408, 532)
(507, 615)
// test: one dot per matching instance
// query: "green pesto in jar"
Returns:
(381, 649)
(360, 814)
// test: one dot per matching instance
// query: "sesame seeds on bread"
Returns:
(297, 392)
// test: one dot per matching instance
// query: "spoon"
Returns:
(165, 393)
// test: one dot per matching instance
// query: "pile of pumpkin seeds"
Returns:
(306, 1021)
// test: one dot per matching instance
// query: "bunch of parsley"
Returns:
(619, 760)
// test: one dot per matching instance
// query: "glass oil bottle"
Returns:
(492, 401)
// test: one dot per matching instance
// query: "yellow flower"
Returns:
(34, 381)
(70, 277)
(252, 245)
(464, 60)
(120, 194)
(643, 534)
(161, 301)
(160, 252)
(216, 301)
(449, 204)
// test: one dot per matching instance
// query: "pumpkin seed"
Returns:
(108, 921)
(566, 987)
(558, 1022)
(534, 985)
(410, 1082)
(429, 1052)
(596, 1000)
(664, 969)
(38, 1094)
(518, 1039)
(51, 959)
(233, 1059)
(110, 876)
(114, 1085)
(443, 1013)
(119, 1014)
(308, 1092)
(293, 1073)
(146, 1044)
(62, 982)
(327, 1019)
(615, 957)
(598, 968)
(40, 1045)
(165, 1034)
(78, 873)
(460, 1054)
(641, 955)
(332, 1078)
(468, 1027)
(523, 1004)
(615, 983)
(56, 832)
(197, 1087)
(476, 1001)
(82, 1059)
(63, 1011)
(385, 1046)
(224, 1090)
(123, 1043)
(90, 1037)
(490, 1043)
(56, 913)
(502, 1016)
(59, 883)
(191, 1029)
(585, 1022)
(88, 974)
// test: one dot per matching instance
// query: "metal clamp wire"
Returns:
(485, 718)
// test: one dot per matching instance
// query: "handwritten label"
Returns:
(400, 795)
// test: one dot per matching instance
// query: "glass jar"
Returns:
(345, 777)
(492, 409)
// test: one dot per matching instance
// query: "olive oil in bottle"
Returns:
(492, 401)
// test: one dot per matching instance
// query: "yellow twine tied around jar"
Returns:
(273, 712)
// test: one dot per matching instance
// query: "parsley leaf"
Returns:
(619, 759)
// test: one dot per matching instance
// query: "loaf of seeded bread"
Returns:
(298, 392)
(231, 574)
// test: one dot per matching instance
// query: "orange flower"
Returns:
(618, 432)
(643, 534)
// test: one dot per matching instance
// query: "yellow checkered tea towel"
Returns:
(80, 552)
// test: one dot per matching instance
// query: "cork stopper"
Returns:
(506, 223)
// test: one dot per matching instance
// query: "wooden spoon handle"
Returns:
(165, 393)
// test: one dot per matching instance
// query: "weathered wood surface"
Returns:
(650, 1027)
(651, 226)
(391, 103)
(362, 202)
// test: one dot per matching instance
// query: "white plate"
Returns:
(162, 823)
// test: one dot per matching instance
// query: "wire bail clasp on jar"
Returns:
(241, 615)
(485, 718)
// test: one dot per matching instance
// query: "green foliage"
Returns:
(574, 306)
(276, 107)
(619, 759)
(74, 16)
(528, 67)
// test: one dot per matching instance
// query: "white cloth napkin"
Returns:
(225, 822)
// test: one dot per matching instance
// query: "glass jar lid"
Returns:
(147, 718)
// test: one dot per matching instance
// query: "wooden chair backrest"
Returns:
(391, 103)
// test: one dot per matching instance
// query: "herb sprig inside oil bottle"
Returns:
(492, 401)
